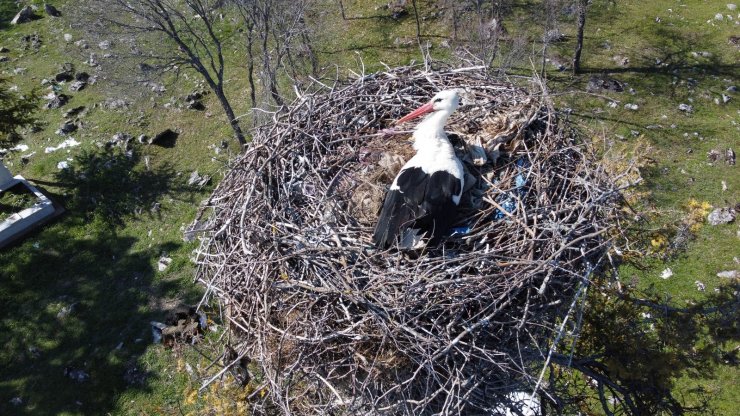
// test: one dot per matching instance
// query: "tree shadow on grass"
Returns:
(110, 186)
(77, 297)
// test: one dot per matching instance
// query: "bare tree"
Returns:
(477, 26)
(582, 6)
(278, 32)
(168, 35)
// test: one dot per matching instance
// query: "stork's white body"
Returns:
(423, 198)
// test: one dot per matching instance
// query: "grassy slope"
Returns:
(105, 268)
(110, 273)
(678, 170)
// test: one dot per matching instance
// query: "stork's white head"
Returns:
(445, 102)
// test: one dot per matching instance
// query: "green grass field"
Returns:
(79, 294)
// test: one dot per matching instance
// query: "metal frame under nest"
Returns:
(336, 325)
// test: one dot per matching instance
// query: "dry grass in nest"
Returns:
(339, 326)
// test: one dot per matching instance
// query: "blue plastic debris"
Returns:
(460, 231)
(508, 200)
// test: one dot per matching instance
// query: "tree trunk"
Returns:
(582, 5)
(250, 67)
(238, 134)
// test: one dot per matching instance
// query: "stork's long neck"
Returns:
(430, 133)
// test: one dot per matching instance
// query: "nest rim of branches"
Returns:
(337, 324)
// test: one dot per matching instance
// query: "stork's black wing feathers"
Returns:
(422, 202)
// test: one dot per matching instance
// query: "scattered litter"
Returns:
(632, 107)
(730, 157)
(63, 165)
(685, 108)
(724, 186)
(700, 286)
(71, 142)
(181, 326)
(19, 148)
(16, 401)
(666, 274)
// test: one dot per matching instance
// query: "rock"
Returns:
(554, 36)
(719, 16)
(56, 101)
(632, 107)
(67, 127)
(122, 140)
(67, 37)
(4, 59)
(82, 44)
(63, 165)
(25, 15)
(64, 76)
(731, 6)
(598, 83)
(16, 401)
(73, 111)
(3, 49)
(115, 103)
(730, 157)
(167, 138)
(163, 263)
(77, 86)
(621, 60)
(143, 139)
(725, 98)
(685, 108)
(196, 105)
(713, 155)
(198, 180)
(721, 216)
(76, 374)
(667, 273)
(731, 88)
(93, 60)
(51, 10)
(700, 286)
(729, 274)
(32, 41)
(105, 45)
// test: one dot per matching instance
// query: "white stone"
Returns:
(666, 274)
(719, 16)
(163, 263)
(67, 37)
(729, 274)
(731, 6)
(71, 142)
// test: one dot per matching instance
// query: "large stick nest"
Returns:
(333, 322)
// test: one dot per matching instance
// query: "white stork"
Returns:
(423, 199)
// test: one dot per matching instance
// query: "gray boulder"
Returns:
(721, 216)
(51, 10)
(25, 15)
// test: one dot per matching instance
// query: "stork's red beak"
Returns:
(424, 109)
